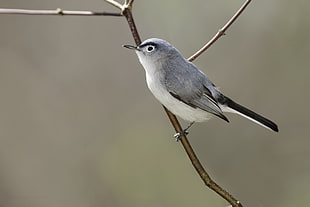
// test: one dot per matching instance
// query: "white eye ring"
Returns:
(150, 48)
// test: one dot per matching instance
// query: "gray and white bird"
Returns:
(184, 89)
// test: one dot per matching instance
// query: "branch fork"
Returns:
(123, 7)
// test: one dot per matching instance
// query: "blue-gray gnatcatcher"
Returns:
(185, 90)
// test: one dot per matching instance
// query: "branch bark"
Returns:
(56, 12)
(221, 32)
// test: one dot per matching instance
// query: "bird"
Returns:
(184, 89)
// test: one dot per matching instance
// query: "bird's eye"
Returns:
(150, 48)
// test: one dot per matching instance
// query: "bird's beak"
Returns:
(132, 47)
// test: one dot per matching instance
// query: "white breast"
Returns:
(177, 107)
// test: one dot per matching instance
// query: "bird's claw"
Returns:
(179, 135)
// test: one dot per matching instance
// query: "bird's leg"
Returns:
(178, 135)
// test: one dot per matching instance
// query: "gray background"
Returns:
(78, 126)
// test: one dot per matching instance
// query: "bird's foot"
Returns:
(182, 133)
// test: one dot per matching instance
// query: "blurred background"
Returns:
(79, 128)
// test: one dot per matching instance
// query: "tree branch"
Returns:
(221, 32)
(130, 2)
(56, 12)
(198, 166)
(115, 3)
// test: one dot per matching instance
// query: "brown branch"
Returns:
(128, 14)
(221, 32)
(130, 2)
(198, 166)
(56, 12)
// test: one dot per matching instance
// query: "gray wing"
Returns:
(191, 87)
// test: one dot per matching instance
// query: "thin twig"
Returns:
(56, 12)
(130, 2)
(221, 32)
(115, 3)
(127, 13)
(208, 181)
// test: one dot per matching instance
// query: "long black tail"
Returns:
(237, 108)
